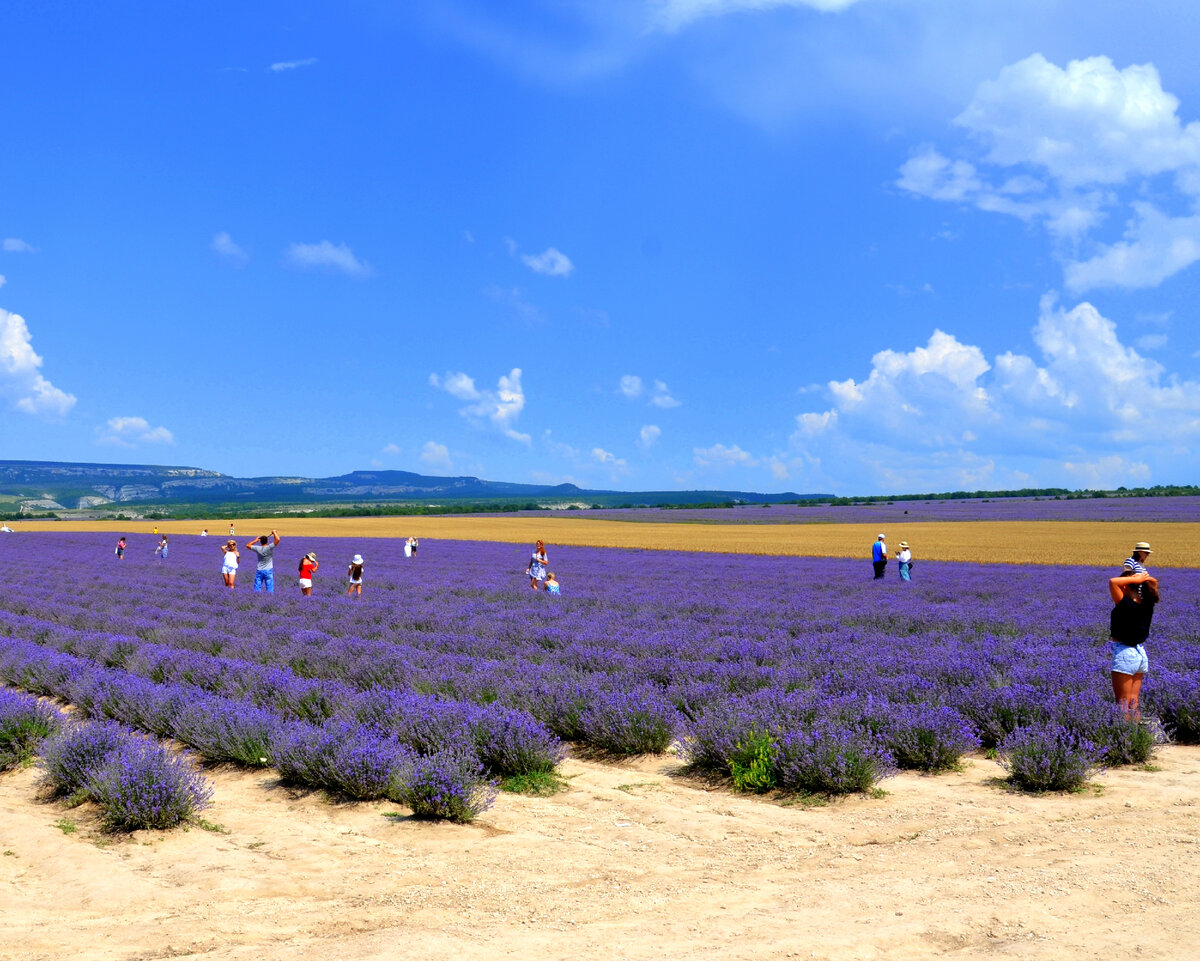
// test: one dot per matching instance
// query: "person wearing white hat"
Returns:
(879, 557)
(354, 572)
(1135, 563)
(904, 560)
(308, 564)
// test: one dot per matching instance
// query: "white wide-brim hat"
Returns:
(356, 559)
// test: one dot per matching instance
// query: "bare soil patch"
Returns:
(631, 862)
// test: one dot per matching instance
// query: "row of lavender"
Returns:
(134, 780)
(776, 671)
(1127, 509)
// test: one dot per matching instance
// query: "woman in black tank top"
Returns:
(1134, 597)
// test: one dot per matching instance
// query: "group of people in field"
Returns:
(879, 558)
(263, 547)
(1134, 593)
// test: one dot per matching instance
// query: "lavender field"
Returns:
(1129, 509)
(450, 675)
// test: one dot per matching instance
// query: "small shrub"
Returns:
(628, 723)
(448, 786)
(1049, 757)
(24, 723)
(752, 765)
(831, 759)
(141, 786)
(926, 738)
(71, 757)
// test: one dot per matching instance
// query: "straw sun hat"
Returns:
(1143, 547)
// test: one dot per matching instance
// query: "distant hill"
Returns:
(38, 486)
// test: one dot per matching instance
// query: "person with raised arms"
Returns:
(264, 570)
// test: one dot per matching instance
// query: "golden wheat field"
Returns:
(1100, 543)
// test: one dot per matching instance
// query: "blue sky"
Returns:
(858, 246)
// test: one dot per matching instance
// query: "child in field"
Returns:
(229, 563)
(161, 550)
(552, 584)
(355, 574)
(308, 564)
(905, 561)
(121, 549)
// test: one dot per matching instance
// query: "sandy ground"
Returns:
(1099, 543)
(631, 862)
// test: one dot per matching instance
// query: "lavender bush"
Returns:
(24, 723)
(139, 786)
(1049, 758)
(454, 652)
(71, 757)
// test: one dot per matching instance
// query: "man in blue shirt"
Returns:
(879, 557)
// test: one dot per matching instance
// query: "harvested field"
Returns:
(995, 542)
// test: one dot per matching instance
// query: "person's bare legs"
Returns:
(1127, 688)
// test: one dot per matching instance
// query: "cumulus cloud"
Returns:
(436, 455)
(499, 408)
(456, 385)
(551, 262)
(15, 245)
(617, 465)
(223, 245)
(131, 432)
(20, 371)
(720, 456)
(326, 256)
(631, 385)
(674, 14)
(391, 449)
(284, 65)
(944, 416)
(1067, 148)
(648, 436)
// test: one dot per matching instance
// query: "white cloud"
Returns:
(456, 385)
(601, 456)
(659, 395)
(132, 431)
(1067, 147)
(3, 280)
(436, 455)
(1156, 246)
(223, 245)
(291, 64)
(1086, 123)
(674, 14)
(551, 262)
(499, 408)
(943, 417)
(15, 245)
(1108, 473)
(662, 396)
(20, 371)
(720, 456)
(648, 436)
(326, 256)
(392, 449)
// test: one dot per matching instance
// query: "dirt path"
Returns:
(631, 862)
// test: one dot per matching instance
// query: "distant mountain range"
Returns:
(37, 486)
